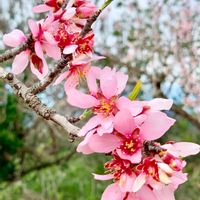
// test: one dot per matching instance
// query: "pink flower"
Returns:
(38, 65)
(85, 44)
(151, 179)
(103, 101)
(70, 41)
(129, 184)
(80, 68)
(66, 39)
(43, 39)
(129, 134)
(84, 9)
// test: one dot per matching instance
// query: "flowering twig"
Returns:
(15, 51)
(41, 86)
(33, 102)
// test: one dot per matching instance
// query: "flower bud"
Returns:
(86, 10)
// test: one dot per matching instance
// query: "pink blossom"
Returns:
(38, 65)
(102, 100)
(84, 9)
(129, 134)
(79, 69)
(43, 39)
(66, 39)
(126, 180)
(70, 41)
(152, 177)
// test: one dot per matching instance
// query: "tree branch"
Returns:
(12, 52)
(42, 166)
(186, 115)
(15, 51)
(33, 102)
(177, 109)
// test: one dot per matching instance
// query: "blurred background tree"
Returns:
(154, 41)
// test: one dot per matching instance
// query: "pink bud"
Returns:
(86, 10)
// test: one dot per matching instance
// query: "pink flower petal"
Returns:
(37, 73)
(83, 146)
(70, 49)
(155, 126)
(49, 38)
(33, 27)
(124, 122)
(165, 168)
(69, 13)
(178, 178)
(135, 158)
(145, 193)
(166, 193)
(41, 8)
(104, 144)
(139, 182)
(53, 51)
(160, 104)
(134, 107)
(108, 83)
(140, 119)
(113, 192)
(62, 77)
(103, 177)
(38, 50)
(184, 149)
(71, 82)
(91, 79)
(121, 81)
(14, 38)
(81, 100)
(101, 130)
(91, 124)
(126, 182)
(107, 122)
(20, 62)
(94, 58)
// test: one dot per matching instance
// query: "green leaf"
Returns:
(86, 114)
(106, 3)
(135, 90)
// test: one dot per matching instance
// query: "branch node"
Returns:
(72, 137)
(10, 77)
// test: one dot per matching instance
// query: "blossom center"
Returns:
(106, 106)
(150, 168)
(117, 167)
(131, 143)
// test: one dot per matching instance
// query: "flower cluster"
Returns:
(57, 34)
(124, 129)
